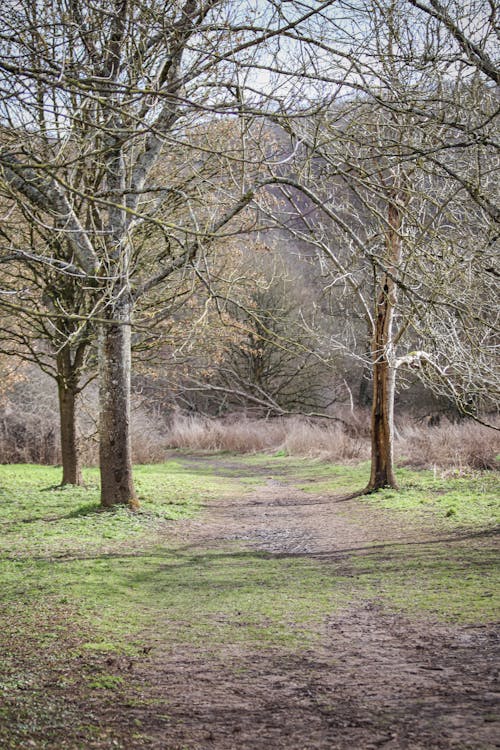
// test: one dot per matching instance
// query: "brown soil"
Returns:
(378, 680)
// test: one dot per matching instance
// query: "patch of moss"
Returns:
(452, 582)
(106, 682)
(465, 501)
(39, 518)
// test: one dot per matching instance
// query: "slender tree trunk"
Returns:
(67, 387)
(115, 454)
(72, 472)
(364, 387)
(382, 424)
(384, 371)
(365, 390)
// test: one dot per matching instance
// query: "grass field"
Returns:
(79, 584)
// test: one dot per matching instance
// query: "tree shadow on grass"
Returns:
(191, 555)
(89, 509)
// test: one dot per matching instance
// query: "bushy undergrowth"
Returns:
(465, 445)
(460, 446)
(29, 434)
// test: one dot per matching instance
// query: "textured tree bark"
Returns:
(72, 472)
(384, 367)
(382, 424)
(115, 453)
(67, 387)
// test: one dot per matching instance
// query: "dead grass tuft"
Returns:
(236, 434)
(463, 445)
(460, 445)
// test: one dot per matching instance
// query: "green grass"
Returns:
(189, 596)
(456, 501)
(447, 582)
(82, 589)
(112, 569)
(452, 500)
(58, 550)
(39, 517)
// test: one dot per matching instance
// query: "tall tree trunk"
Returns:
(382, 422)
(67, 388)
(364, 399)
(115, 453)
(384, 371)
(72, 472)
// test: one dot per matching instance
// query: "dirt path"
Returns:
(378, 680)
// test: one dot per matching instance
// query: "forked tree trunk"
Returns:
(115, 454)
(383, 359)
(67, 388)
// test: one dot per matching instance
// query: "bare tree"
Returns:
(259, 346)
(407, 210)
(94, 96)
(44, 321)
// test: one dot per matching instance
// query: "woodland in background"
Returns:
(257, 209)
(429, 434)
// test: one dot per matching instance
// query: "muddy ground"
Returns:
(376, 679)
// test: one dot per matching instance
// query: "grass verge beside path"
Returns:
(85, 594)
(463, 500)
(456, 579)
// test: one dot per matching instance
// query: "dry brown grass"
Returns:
(459, 446)
(294, 436)
(29, 433)
(237, 434)
(329, 442)
(462, 445)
